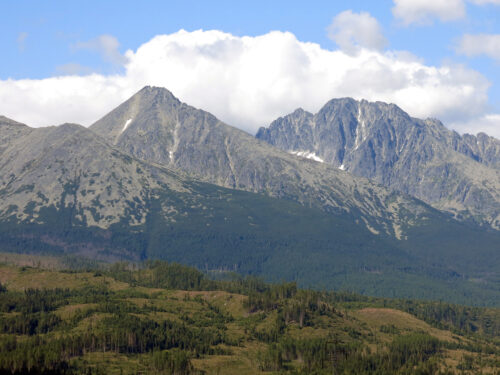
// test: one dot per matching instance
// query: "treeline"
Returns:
(409, 354)
(160, 274)
(457, 318)
(265, 296)
(461, 319)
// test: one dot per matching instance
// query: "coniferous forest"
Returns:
(165, 318)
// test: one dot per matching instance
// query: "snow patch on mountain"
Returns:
(308, 155)
(127, 123)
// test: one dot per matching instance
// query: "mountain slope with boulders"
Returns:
(457, 174)
(70, 166)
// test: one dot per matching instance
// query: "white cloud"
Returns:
(53, 101)
(249, 81)
(425, 11)
(352, 31)
(21, 40)
(484, 2)
(489, 124)
(480, 44)
(107, 46)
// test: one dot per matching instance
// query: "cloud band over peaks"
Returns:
(249, 81)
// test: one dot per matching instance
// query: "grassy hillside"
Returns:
(170, 319)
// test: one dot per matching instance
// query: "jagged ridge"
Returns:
(165, 131)
(459, 174)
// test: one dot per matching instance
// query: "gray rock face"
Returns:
(70, 166)
(155, 126)
(482, 148)
(458, 174)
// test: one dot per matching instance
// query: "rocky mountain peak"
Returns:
(418, 157)
(152, 123)
(152, 95)
(360, 108)
(197, 143)
(145, 107)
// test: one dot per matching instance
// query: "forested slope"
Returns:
(170, 319)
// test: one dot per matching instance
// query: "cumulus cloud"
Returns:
(480, 44)
(107, 46)
(351, 31)
(249, 81)
(425, 11)
(53, 101)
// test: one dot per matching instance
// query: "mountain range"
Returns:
(453, 173)
(358, 196)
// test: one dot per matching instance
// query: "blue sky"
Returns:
(47, 39)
